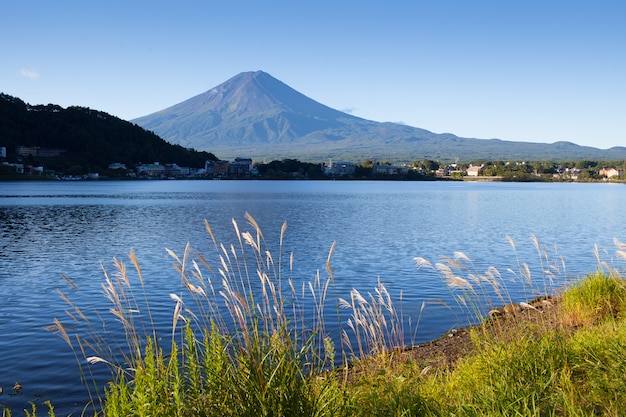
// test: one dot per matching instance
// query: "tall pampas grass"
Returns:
(481, 293)
(374, 322)
(244, 338)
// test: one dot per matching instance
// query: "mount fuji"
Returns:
(255, 115)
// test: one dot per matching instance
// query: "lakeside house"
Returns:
(117, 165)
(155, 170)
(19, 168)
(378, 169)
(611, 172)
(240, 167)
(474, 171)
(36, 151)
(339, 168)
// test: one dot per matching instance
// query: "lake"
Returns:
(53, 229)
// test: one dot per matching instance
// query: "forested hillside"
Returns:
(90, 139)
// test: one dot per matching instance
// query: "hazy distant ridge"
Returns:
(253, 114)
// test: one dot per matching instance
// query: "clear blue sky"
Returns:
(535, 71)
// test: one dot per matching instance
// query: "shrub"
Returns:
(598, 296)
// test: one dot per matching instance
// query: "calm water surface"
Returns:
(70, 228)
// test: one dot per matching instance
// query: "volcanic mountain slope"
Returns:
(255, 115)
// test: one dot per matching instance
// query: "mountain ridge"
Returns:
(253, 114)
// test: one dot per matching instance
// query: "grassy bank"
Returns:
(564, 356)
(240, 344)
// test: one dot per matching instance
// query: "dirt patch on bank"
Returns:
(442, 354)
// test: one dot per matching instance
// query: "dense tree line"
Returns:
(585, 170)
(91, 139)
(290, 168)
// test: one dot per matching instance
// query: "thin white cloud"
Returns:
(29, 73)
(349, 110)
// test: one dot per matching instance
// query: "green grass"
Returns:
(558, 372)
(600, 296)
(259, 355)
(569, 361)
(32, 412)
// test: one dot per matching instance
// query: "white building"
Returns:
(611, 172)
(474, 171)
(339, 168)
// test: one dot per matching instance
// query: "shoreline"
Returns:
(28, 178)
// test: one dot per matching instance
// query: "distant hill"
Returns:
(90, 139)
(253, 114)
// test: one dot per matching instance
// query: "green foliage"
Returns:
(363, 171)
(289, 169)
(507, 378)
(219, 377)
(382, 393)
(598, 296)
(557, 373)
(599, 366)
(33, 410)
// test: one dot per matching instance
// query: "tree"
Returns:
(429, 165)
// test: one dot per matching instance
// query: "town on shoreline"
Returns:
(245, 168)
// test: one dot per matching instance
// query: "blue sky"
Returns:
(535, 71)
